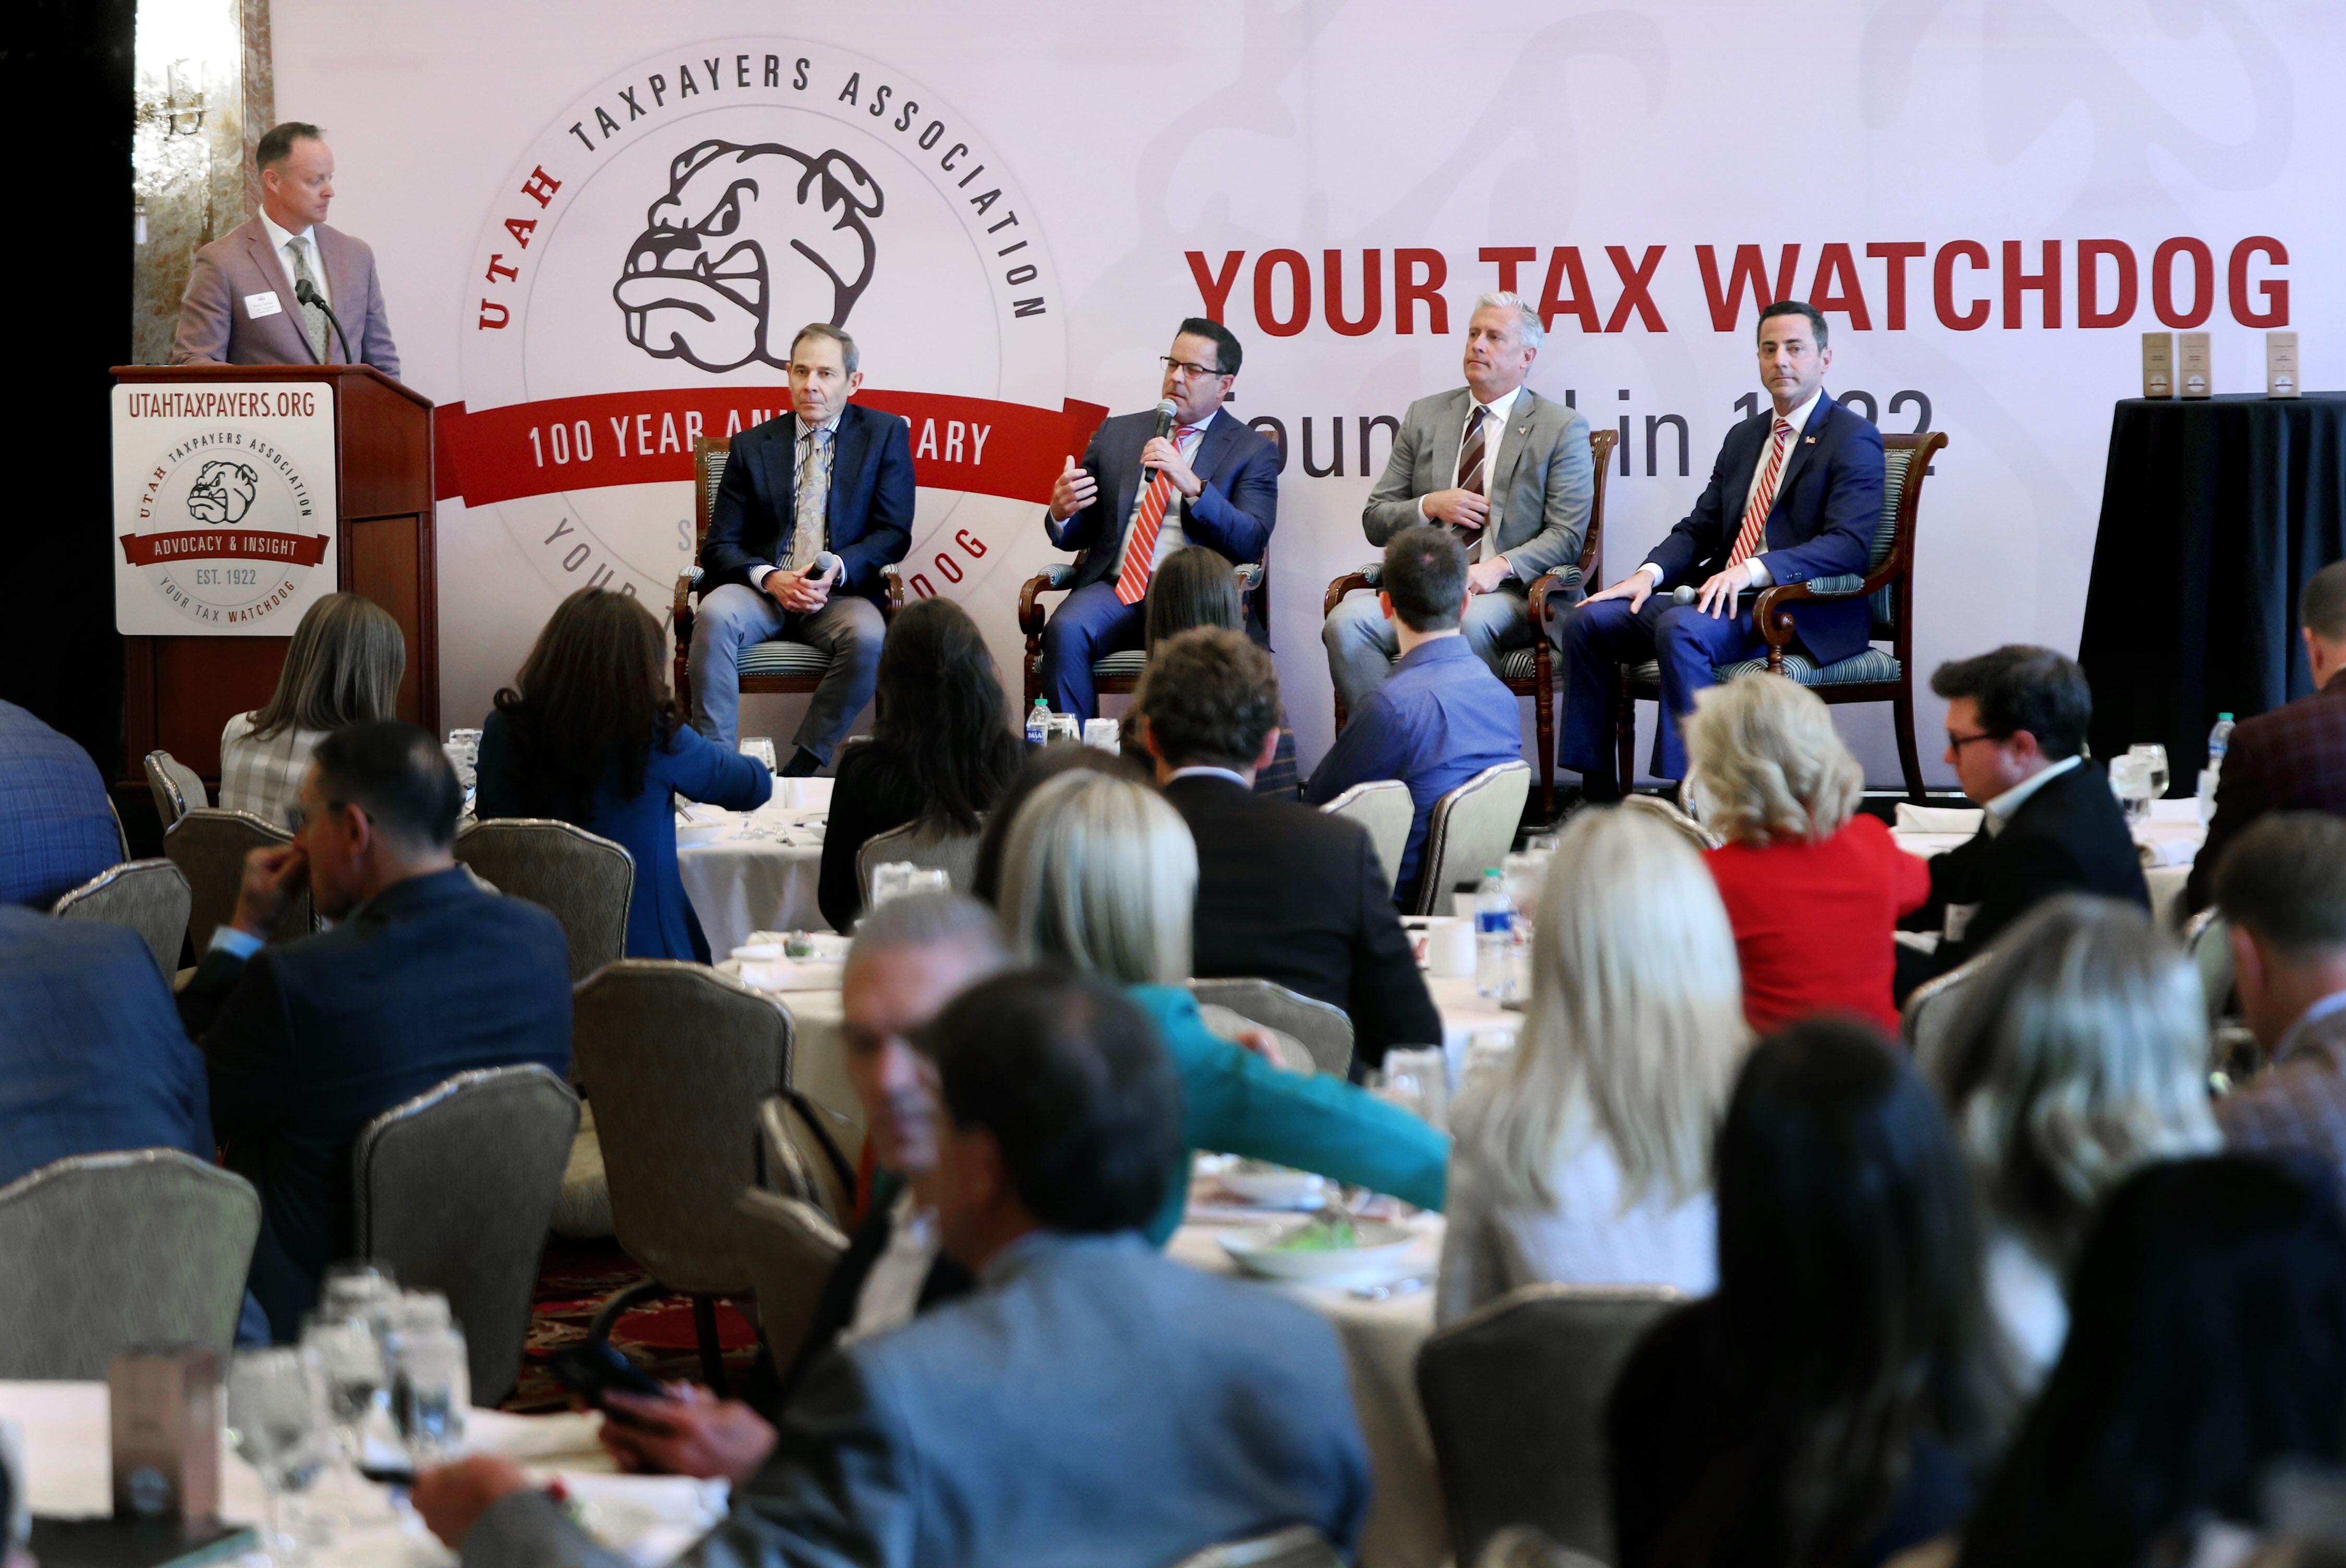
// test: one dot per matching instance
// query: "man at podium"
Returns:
(282, 288)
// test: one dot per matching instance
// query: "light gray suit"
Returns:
(1540, 494)
(1092, 1403)
(216, 324)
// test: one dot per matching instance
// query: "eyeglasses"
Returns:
(297, 815)
(1183, 367)
(1958, 742)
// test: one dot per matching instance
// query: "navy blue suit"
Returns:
(91, 1056)
(56, 829)
(1234, 513)
(308, 1042)
(869, 514)
(1821, 526)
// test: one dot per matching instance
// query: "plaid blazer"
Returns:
(2300, 1104)
(56, 831)
(2290, 759)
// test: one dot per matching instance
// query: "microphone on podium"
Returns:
(1164, 427)
(305, 292)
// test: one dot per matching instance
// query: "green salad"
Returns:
(1329, 1233)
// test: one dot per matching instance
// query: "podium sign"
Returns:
(224, 507)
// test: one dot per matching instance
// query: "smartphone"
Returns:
(591, 1371)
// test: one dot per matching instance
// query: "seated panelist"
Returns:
(1214, 480)
(830, 477)
(1506, 471)
(1796, 494)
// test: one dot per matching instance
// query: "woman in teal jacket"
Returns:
(1099, 872)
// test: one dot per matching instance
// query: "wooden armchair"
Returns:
(774, 667)
(1872, 676)
(1527, 671)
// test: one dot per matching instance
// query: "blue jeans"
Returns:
(1598, 638)
(733, 617)
(1362, 644)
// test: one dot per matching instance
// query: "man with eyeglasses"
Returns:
(1137, 496)
(2017, 720)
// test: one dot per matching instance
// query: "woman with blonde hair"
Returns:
(341, 667)
(2077, 1056)
(1814, 886)
(1099, 872)
(1588, 1161)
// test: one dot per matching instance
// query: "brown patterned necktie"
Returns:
(1470, 470)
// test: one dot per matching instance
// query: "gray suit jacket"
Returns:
(1092, 1403)
(216, 324)
(1539, 496)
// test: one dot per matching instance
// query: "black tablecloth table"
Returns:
(2214, 513)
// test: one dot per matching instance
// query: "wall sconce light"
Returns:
(183, 101)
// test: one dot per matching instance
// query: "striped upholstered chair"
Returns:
(1872, 676)
(765, 667)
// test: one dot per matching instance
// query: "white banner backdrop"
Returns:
(1989, 201)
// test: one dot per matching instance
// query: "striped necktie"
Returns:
(1470, 473)
(1140, 555)
(1763, 498)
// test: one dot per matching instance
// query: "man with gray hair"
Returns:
(812, 505)
(1506, 471)
(2294, 758)
(2282, 889)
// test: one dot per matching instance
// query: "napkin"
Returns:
(804, 794)
(2167, 852)
(647, 1519)
(1913, 818)
(793, 974)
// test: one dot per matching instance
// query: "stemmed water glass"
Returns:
(278, 1422)
(431, 1379)
(2155, 755)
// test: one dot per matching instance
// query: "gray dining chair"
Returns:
(177, 788)
(1296, 1546)
(145, 1246)
(1325, 1031)
(1471, 828)
(1670, 817)
(802, 1159)
(790, 1249)
(955, 854)
(455, 1190)
(151, 897)
(2208, 939)
(1929, 1015)
(1514, 1399)
(677, 1058)
(583, 879)
(1384, 807)
(208, 846)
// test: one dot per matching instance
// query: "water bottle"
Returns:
(2220, 740)
(1494, 937)
(1038, 724)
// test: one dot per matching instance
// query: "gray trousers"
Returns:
(1361, 645)
(734, 617)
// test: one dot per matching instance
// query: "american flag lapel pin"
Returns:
(1811, 440)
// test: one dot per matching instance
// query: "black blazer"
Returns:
(1234, 513)
(2070, 837)
(870, 511)
(306, 1043)
(1822, 525)
(1290, 894)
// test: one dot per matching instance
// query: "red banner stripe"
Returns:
(645, 437)
(223, 543)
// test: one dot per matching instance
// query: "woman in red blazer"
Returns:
(1812, 886)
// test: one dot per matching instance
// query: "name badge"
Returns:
(264, 303)
(1958, 920)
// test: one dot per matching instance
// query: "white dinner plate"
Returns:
(1275, 1187)
(1381, 1247)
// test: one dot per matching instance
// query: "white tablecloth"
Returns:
(818, 1059)
(2169, 838)
(66, 1445)
(755, 870)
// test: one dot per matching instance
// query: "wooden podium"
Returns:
(179, 691)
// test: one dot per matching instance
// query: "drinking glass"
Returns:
(278, 1423)
(2130, 782)
(2156, 755)
(891, 879)
(1417, 1082)
(431, 1383)
(354, 1288)
(348, 1359)
(761, 746)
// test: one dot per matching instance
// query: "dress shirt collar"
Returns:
(1436, 650)
(1501, 406)
(278, 238)
(1800, 416)
(801, 429)
(2000, 810)
(2333, 1003)
(1201, 772)
(1198, 430)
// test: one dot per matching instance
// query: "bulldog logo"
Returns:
(748, 245)
(222, 492)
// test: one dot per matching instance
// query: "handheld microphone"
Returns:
(825, 563)
(305, 292)
(1164, 427)
(1683, 594)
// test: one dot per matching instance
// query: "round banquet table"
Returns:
(752, 870)
(2214, 513)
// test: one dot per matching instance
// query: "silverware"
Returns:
(1391, 1288)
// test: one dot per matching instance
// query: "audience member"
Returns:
(2282, 889)
(1040, 768)
(1588, 1162)
(2016, 723)
(911, 956)
(1441, 716)
(343, 667)
(56, 830)
(1197, 587)
(92, 1057)
(1826, 1405)
(1100, 873)
(1090, 1402)
(2294, 758)
(589, 734)
(2209, 1344)
(422, 976)
(1814, 886)
(941, 750)
(2078, 1056)
(1285, 893)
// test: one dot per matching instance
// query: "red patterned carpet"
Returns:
(574, 1280)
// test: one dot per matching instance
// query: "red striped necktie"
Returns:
(1763, 498)
(1140, 557)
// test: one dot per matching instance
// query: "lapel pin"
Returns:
(1811, 440)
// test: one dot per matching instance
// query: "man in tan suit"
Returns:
(242, 305)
